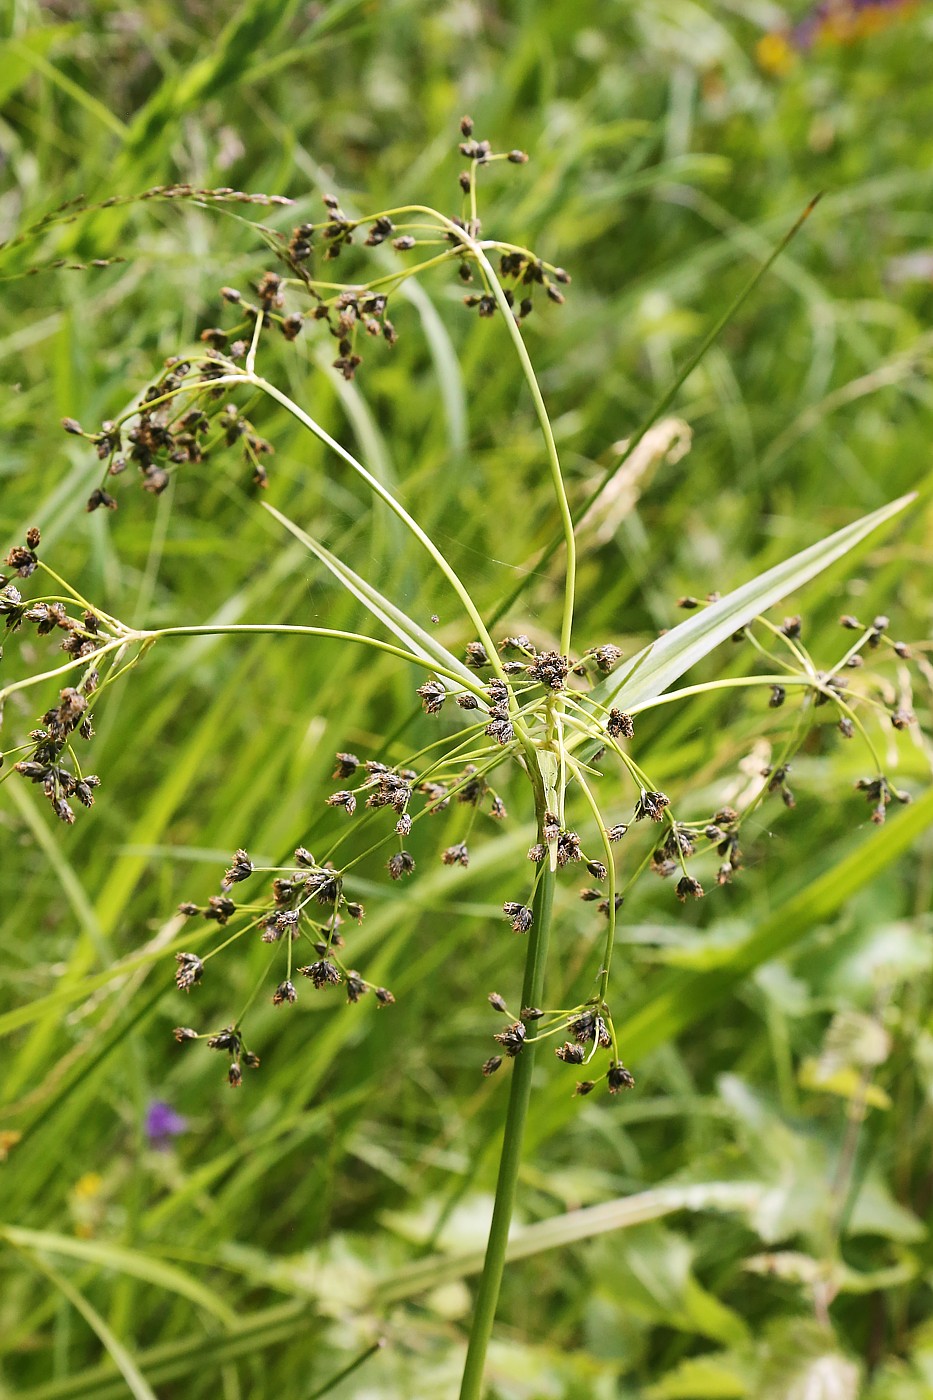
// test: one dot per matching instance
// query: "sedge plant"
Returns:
(560, 707)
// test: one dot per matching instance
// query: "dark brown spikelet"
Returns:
(689, 888)
(189, 971)
(356, 987)
(219, 908)
(618, 1077)
(520, 915)
(491, 1065)
(284, 992)
(606, 657)
(570, 1053)
(240, 869)
(23, 560)
(620, 725)
(346, 765)
(433, 694)
(322, 973)
(550, 669)
(344, 799)
(651, 804)
(476, 655)
(512, 1039)
(99, 498)
(399, 864)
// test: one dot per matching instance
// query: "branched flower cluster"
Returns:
(307, 906)
(537, 708)
(189, 411)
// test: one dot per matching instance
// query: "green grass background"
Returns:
(340, 1197)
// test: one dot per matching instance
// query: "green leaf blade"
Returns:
(660, 664)
(398, 622)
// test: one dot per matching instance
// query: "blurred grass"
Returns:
(665, 164)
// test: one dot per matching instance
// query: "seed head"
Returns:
(240, 869)
(550, 669)
(512, 1039)
(356, 987)
(399, 864)
(651, 804)
(520, 915)
(219, 908)
(344, 799)
(285, 991)
(476, 655)
(620, 725)
(321, 974)
(492, 1064)
(618, 1077)
(189, 971)
(346, 765)
(688, 888)
(433, 694)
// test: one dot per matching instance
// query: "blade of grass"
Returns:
(122, 1358)
(398, 622)
(128, 1261)
(649, 673)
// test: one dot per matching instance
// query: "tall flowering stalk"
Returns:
(560, 714)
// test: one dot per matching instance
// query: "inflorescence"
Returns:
(189, 412)
(522, 704)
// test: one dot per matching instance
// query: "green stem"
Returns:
(275, 629)
(557, 478)
(487, 1297)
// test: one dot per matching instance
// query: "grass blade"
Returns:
(398, 622)
(138, 1385)
(658, 665)
(125, 1261)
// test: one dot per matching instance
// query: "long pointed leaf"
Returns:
(408, 631)
(653, 669)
